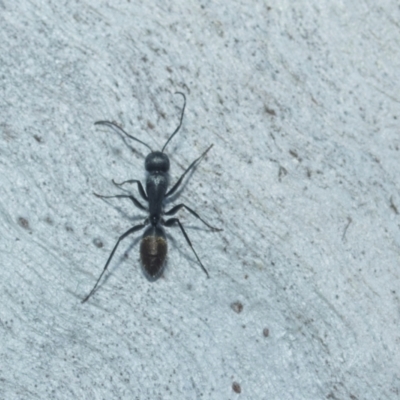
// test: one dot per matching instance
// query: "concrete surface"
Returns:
(301, 101)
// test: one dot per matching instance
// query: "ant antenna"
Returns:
(180, 122)
(119, 130)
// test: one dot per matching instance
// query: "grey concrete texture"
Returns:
(301, 101)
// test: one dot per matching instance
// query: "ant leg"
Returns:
(123, 196)
(177, 184)
(140, 187)
(175, 209)
(172, 221)
(127, 233)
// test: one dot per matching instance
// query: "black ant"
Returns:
(153, 247)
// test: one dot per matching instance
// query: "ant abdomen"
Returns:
(153, 251)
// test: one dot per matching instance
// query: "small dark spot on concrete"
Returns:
(376, 159)
(98, 243)
(237, 306)
(236, 387)
(23, 222)
(349, 221)
(393, 206)
(38, 138)
(266, 332)
(294, 154)
(246, 277)
(49, 220)
(150, 125)
(331, 395)
(169, 69)
(282, 172)
(69, 228)
(116, 152)
(269, 111)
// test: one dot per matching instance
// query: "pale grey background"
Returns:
(301, 100)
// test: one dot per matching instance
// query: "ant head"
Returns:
(157, 161)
